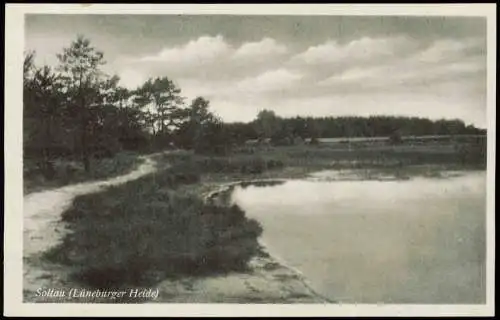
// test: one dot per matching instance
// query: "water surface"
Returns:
(414, 241)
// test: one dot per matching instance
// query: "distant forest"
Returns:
(75, 110)
(267, 124)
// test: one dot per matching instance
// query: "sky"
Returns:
(431, 67)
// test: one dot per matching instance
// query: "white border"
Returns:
(14, 38)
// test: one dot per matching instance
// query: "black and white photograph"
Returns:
(184, 158)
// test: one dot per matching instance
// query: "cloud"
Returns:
(131, 78)
(265, 48)
(262, 66)
(365, 48)
(448, 49)
(264, 85)
(353, 75)
(274, 80)
(207, 49)
(210, 57)
(442, 60)
(402, 73)
(202, 50)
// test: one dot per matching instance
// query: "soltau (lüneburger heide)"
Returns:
(85, 293)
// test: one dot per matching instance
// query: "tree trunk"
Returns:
(84, 117)
(153, 127)
(47, 166)
(48, 170)
(85, 150)
(162, 115)
(85, 140)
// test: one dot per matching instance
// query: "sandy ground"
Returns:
(267, 281)
(43, 228)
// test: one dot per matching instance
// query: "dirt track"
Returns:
(43, 228)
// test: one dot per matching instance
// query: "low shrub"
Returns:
(67, 171)
(236, 164)
(144, 227)
(243, 165)
(472, 153)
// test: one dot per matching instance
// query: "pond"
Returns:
(421, 240)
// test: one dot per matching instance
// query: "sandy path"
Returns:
(43, 228)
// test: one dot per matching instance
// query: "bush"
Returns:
(274, 164)
(253, 166)
(122, 235)
(395, 138)
(240, 164)
(65, 171)
(472, 152)
(314, 141)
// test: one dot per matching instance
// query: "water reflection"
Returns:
(415, 241)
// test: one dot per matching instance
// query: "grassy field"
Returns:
(249, 163)
(159, 226)
(68, 172)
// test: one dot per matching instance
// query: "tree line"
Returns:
(76, 110)
(282, 130)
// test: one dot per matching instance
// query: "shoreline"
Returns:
(268, 278)
(265, 253)
(302, 277)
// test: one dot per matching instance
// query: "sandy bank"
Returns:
(267, 281)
